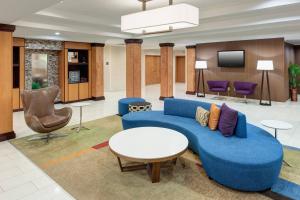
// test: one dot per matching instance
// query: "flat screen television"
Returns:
(231, 58)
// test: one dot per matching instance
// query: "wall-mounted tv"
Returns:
(231, 58)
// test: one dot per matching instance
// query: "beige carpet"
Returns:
(83, 165)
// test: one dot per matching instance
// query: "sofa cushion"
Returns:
(202, 116)
(214, 117)
(228, 120)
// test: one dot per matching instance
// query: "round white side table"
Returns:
(80, 105)
(277, 125)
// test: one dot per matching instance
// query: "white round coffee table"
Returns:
(80, 105)
(277, 125)
(149, 145)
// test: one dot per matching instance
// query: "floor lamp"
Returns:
(200, 66)
(265, 66)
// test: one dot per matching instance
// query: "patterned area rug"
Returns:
(83, 165)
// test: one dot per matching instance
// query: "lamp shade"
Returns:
(201, 64)
(265, 65)
(161, 19)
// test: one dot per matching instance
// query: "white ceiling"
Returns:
(99, 20)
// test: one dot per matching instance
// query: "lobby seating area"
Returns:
(227, 160)
(149, 99)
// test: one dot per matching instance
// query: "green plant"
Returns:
(35, 85)
(294, 71)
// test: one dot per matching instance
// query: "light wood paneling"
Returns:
(166, 72)
(264, 49)
(73, 92)
(16, 98)
(22, 73)
(97, 72)
(66, 75)
(152, 65)
(191, 73)
(89, 89)
(61, 74)
(77, 45)
(18, 42)
(6, 87)
(83, 91)
(180, 69)
(133, 70)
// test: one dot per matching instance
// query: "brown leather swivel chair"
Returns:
(40, 114)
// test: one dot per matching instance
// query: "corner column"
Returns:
(97, 72)
(190, 69)
(133, 67)
(6, 87)
(166, 70)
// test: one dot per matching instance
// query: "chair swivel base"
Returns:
(218, 97)
(47, 136)
(79, 128)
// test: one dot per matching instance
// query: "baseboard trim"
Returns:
(163, 98)
(190, 92)
(18, 110)
(7, 136)
(98, 98)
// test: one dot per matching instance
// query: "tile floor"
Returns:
(21, 179)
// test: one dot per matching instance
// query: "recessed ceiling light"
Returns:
(61, 1)
(57, 33)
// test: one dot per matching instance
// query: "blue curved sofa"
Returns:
(248, 161)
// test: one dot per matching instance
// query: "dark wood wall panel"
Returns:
(152, 69)
(180, 69)
(297, 54)
(264, 49)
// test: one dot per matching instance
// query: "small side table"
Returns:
(80, 105)
(139, 106)
(277, 125)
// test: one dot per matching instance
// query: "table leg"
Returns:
(283, 159)
(155, 172)
(80, 122)
(78, 128)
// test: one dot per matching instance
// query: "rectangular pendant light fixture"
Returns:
(163, 19)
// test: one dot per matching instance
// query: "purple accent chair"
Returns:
(244, 88)
(218, 86)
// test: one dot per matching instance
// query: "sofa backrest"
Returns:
(218, 84)
(187, 108)
(239, 85)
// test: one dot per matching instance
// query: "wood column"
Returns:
(97, 72)
(133, 67)
(6, 82)
(190, 69)
(166, 70)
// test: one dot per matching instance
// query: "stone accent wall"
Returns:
(43, 47)
(43, 44)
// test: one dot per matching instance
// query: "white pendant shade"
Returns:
(161, 19)
(201, 64)
(265, 65)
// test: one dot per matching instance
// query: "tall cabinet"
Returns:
(18, 72)
(75, 72)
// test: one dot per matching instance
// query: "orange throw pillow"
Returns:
(214, 117)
